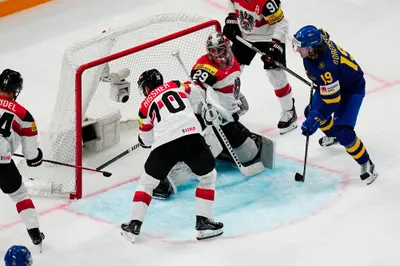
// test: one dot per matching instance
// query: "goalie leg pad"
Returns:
(247, 151)
(212, 141)
(268, 150)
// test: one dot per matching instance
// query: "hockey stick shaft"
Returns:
(307, 139)
(276, 63)
(298, 177)
(119, 156)
(247, 171)
(106, 174)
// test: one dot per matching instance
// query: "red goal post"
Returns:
(152, 42)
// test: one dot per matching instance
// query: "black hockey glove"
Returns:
(37, 161)
(275, 50)
(231, 28)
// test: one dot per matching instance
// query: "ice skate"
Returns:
(288, 120)
(368, 173)
(131, 230)
(36, 237)
(327, 141)
(207, 228)
(163, 190)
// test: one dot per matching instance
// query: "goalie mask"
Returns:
(11, 81)
(219, 50)
(149, 80)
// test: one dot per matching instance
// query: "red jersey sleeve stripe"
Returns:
(28, 132)
(16, 127)
(146, 127)
(227, 89)
(183, 95)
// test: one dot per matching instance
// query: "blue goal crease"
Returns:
(245, 204)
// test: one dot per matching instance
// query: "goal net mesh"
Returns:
(60, 144)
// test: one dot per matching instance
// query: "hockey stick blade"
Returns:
(107, 174)
(298, 177)
(253, 169)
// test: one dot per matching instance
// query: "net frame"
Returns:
(78, 87)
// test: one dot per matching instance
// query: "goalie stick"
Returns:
(298, 177)
(106, 174)
(250, 170)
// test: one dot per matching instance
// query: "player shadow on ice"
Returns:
(245, 205)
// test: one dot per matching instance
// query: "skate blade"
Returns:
(330, 144)
(374, 176)
(160, 197)
(40, 245)
(207, 234)
(285, 130)
(129, 236)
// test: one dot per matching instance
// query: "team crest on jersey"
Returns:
(246, 21)
(321, 65)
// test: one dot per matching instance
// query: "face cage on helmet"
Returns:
(221, 55)
(297, 44)
(217, 52)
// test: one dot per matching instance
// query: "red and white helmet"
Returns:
(219, 50)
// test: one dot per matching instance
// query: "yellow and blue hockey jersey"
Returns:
(336, 74)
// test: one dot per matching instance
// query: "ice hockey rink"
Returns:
(331, 219)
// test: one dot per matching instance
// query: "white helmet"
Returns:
(219, 50)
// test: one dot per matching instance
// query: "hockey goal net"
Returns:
(144, 45)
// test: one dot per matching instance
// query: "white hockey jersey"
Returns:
(17, 127)
(167, 114)
(260, 20)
